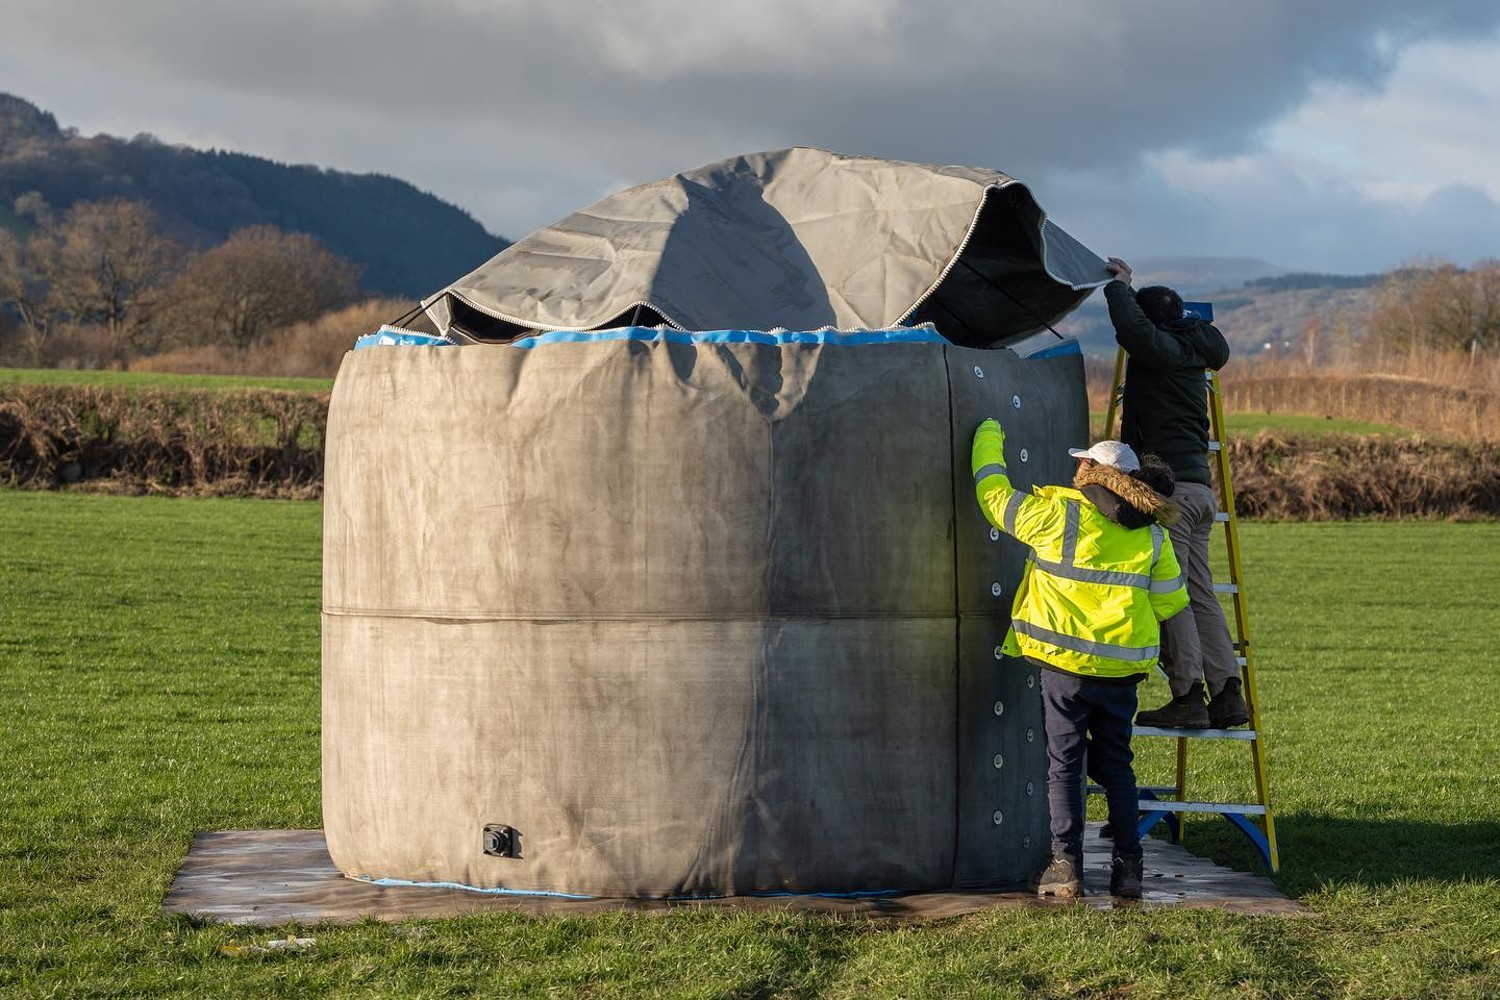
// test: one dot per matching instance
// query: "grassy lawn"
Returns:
(159, 676)
(156, 380)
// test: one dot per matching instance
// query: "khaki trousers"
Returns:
(1195, 642)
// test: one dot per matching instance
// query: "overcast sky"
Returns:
(1333, 135)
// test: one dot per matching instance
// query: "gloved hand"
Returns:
(989, 445)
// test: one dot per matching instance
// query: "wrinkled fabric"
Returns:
(795, 238)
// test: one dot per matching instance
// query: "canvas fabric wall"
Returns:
(693, 619)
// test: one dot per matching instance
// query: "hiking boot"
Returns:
(1125, 877)
(1061, 879)
(1185, 712)
(1227, 709)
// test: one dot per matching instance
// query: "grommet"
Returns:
(1030, 788)
(999, 761)
(1030, 736)
(994, 534)
(1026, 840)
(999, 652)
(995, 588)
(999, 708)
(1015, 401)
(978, 372)
(998, 817)
(1030, 681)
(1025, 456)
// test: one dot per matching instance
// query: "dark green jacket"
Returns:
(1166, 403)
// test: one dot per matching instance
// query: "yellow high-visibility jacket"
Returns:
(1093, 592)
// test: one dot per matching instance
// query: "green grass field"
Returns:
(156, 380)
(159, 676)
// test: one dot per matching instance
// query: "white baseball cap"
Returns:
(1114, 453)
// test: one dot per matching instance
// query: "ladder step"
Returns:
(1215, 445)
(1226, 588)
(1222, 516)
(1154, 790)
(1237, 808)
(1197, 734)
(1242, 661)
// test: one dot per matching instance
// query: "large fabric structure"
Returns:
(796, 239)
(653, 612)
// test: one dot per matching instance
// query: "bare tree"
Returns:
(258, 280)
(1439, 306)
(23, 290)
(107, 264)
(104, 264)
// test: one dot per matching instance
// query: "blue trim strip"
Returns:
(394, 883)
(391, 883)
(924, 334)
(391, 338)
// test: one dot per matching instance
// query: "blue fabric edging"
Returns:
(924, 334)
(398, 338)
(401, 882)
(393, 883)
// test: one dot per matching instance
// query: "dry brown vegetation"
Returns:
(1331, 477)
(240, 443)
(312, 349)
(1442, 394)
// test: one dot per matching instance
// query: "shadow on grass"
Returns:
(1318, 850)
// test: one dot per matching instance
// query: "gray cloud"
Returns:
(522, 112)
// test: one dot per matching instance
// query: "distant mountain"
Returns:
(409, 242)
(1195, 277)
(1257, 305)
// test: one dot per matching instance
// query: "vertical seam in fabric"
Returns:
(958, 639)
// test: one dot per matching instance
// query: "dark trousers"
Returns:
(1088, 724)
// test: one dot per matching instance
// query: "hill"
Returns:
(1278, 311)
(409, 242)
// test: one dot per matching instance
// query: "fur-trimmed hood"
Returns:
(1121, 497)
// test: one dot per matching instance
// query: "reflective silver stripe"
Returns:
(993, 469)
(1012, 508)
(1156, 536)
(1111, 578)
(1070, 533)
(1086, 646)
(1166, 586)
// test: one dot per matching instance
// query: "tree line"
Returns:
(108, 267)
(1439, 306)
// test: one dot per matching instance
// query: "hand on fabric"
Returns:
(1119, 269)
(991, 426)
(989, 445)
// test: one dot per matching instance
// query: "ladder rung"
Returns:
(1201, 734)
(1242, 661)
(1222, 516)
(1153, 789)
(1241, 808)
(1226, 588)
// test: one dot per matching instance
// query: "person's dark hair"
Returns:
(1160, 304)
(1156, 473)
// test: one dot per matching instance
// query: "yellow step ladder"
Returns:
(1168, 802)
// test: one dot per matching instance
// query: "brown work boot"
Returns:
(1185, 712)
(1062, 878)
(1227, 709)
(1125, 876)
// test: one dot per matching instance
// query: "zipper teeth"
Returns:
(962, 246)
(531, 325)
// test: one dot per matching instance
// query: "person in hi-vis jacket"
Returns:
(1101, 577)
